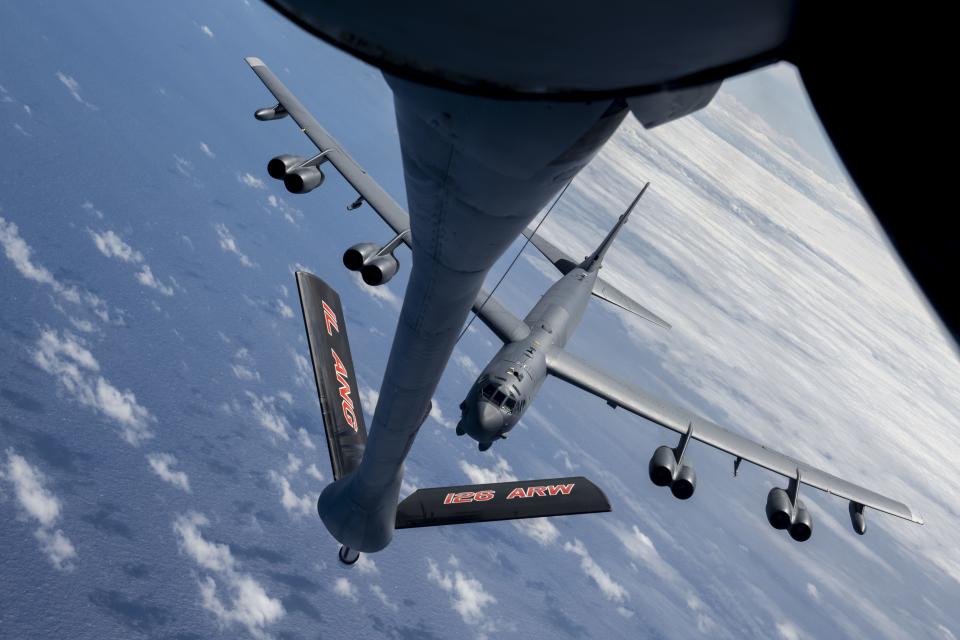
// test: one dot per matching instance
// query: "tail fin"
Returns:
(334, 373)
(593, 262)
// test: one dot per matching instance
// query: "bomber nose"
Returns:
(490, 418)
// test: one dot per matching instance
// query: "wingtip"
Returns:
(253, 61)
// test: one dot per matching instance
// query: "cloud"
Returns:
(264, 410)
(229, 244)
(501, 472)
(610, 588)
(290, 213)
(368, 399)
(293, 463)
(378, 592)
(565, 457)
(161, 464)
(345, 589)
(251, 181)
(303, 375)
(206, 30)
(183, 166)
(380, 293)
(78, 372)
(88, 206)
(243, 373)
(314, 472)
(20, 254)
(787, 631)
(468, 597)
(366, 565)
(206, 151)
(466, 363)
(146, 278)
(74, 88)
(437, 415)
(305, 439)
(284, 309)
(297, 506)
(112, 246)
(248, 603)
(29, 485)
(640, 547)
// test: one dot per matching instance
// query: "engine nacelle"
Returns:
(802, 526)
(684, 483)
(779, 509)
(663, 466)
(270, 113)
(358, 254)
(279, 166)
(303, 180)
(380, 269)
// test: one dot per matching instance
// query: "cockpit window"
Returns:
(510, 404)
(498, 397)
(488, 391)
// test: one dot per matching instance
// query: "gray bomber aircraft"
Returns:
(533, 346)
(361, 507)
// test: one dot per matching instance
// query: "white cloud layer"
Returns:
(20, 255)
(74, 88)
(247, 602)
(610, 588)
(39, 503)
(265, 411)
(296, 505)
(162, 464)
(229, 244)
(64, 356)
(468, 597)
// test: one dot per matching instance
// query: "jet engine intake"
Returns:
(663, 466)
(685, 483)
(779, 509)
(358, 254)
(279, 166)
(666, 471)
(303, 179)
(802, 526)
(786, 511)
(380, 269)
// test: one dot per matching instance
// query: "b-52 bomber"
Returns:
(533, 348)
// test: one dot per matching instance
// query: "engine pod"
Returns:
(380, 269)
(802, 526)
(280, 165)
(663, 466)
(779, 509)
(685, 483)
(303, 179)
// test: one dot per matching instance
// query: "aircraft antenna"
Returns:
(513, 262)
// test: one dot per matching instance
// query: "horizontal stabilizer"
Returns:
(334, 373)
(611, 294)
(564, 263)
(500, 501)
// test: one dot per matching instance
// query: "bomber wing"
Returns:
(581, 374)
(371, 192)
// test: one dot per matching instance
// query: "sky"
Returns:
(160, 443)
